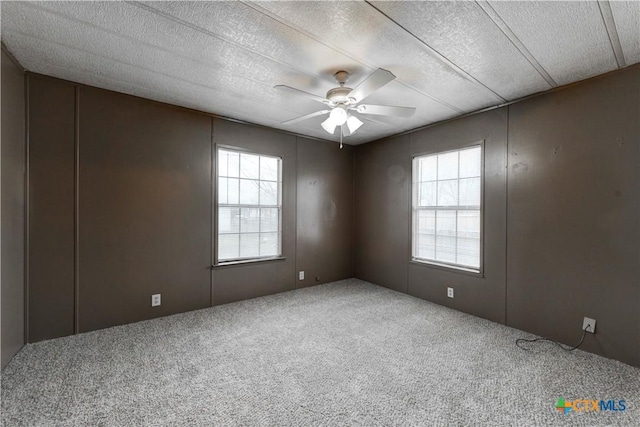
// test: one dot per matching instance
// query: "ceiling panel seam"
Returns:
(348, 54)
(221, 38)
(149, 70)
(137, 41)
(511, 36)
(612, 32)
(461, 72)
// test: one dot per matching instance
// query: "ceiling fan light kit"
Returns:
(343, 101)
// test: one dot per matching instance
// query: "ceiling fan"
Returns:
(344, 101)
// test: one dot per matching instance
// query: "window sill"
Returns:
(246, 262)
(451, 269)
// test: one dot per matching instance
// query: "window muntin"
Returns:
(249, 206)
(447, 211)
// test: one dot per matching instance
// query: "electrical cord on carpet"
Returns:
(519, 340)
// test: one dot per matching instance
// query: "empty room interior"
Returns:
(337, 213)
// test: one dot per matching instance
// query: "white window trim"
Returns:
(413, 226)
(216, 206)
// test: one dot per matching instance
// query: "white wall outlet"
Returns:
(156, 300)
(589, 325)
(450, 292)
(301, 275)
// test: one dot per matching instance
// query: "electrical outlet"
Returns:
(450, 292)
(589, 325)
(301, 275)
(156, 300)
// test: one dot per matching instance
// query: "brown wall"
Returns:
(144, 209)
(560, 215)
(325, 203)
(51, 209)
(382, 175)
(130, 211)
(574, 212)
(13, 207)
(561, 228)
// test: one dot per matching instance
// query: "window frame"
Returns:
(216, 208)
(452, 267)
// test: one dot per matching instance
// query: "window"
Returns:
(447, 214)
(249, 206)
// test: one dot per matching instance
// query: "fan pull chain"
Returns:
(341, 137)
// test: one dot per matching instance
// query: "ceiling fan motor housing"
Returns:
(338, 95)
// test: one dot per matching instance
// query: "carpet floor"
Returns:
(344, 353)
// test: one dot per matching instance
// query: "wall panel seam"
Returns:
(26, 209)
(506, 221)
(76, 214)
(213, 195)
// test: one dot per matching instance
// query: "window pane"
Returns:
(249, 190)
(269, 168)
(223, 159)
(446, 223)
(249, 220)
(471, 162)
(469, 224)
(269, 244)
(427, 222)
(448, 165)
(233, 168)
(268, 193)
(446, 249)
(426, 247)
(428, 193)
(428, 168)
(468, 252)
(228, 220)
(228, 246)
(233, 191)
(248, 180)
(469, 192)
(249, 245)
(448, 193)
(222, 191)
(249, 166)
(269, 220)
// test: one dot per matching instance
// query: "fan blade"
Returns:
(305, 117)
(298, 92)
(375, 81)
(385, 110)
(369, 119)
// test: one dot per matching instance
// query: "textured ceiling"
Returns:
(224, 58)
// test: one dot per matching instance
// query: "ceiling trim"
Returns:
(511, 36)
(462, 73)
(265, 12)
(612, 32)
